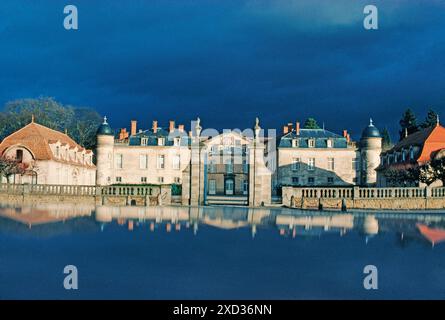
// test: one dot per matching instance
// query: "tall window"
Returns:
(331, 165)
(19, 155)
(329, 143)
(177, 142)
(311, 143)
(212, 166)
(176, 162)
(144, 141)
(143, 161)
(245, 166)
(119, 161)
(229, 166)
(294, 143)
(161, 162)
(57, 151)
(411, 153)
(296, 164)
(143, 179)
(161, 141)
(311, 164)
(245, 187)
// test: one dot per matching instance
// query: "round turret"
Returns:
(105, 129)
(105, 148)
(370, 149)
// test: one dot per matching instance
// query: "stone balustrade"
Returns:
(155, 194)
(357, 197)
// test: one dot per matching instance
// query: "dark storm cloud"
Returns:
(228, 61)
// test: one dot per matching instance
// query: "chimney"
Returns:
(155, 126)
(297, 128)
(134, 124)
(171, 127)
(345, 133)
(285, 130)
(181, 128)
(290, 126)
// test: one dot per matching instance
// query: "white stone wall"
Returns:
(343, 174)
(132, 172)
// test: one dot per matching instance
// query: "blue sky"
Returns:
(229, 61)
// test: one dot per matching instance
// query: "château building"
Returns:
(414, 150)
(318, 157)
(154, 156)
(48, 157)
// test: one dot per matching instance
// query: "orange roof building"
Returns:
(414, 150)
(50, 156)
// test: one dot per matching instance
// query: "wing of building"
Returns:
(318, 157)
(414, 150)
(49, 156)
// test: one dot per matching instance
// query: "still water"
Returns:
(218, 253)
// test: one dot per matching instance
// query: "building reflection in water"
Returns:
(428, 228)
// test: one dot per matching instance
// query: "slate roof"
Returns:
(153, 137)
(320, 135)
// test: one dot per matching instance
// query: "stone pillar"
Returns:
(196, 169)
(260, 177)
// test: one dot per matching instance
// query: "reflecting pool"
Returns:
(219, 253)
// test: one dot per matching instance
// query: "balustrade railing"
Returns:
(71, 190)
(364, 193)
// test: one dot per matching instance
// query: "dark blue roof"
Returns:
(371, 131)
(136, 140)
(105, 129)
(321, 137)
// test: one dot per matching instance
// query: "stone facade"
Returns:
(49, 157)
(318, 157)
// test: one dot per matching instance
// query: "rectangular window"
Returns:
(177, 180)
(119, 161)
(144, 141)
(295, 180)
(118, 179)
(331, 164)
(245, 166)
(330, 180)
(212, 186)
(311, 180)
(161, 179)
(177, 142)
(311, 164)
(143, 179)
(229, 167)
(57, 151)
(296, 164)
(329, 143)
(212, 166)
(245, 187)
(161, 141)
(176, 162)
(161, 162)
(143, 161)
(311, 143)
(294, 143)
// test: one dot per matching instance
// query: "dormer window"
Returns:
(329, 143)
(411, 153)
(294, 143)
(177, 142)
(311, 143)
(57, 151)
(144, 141)
(403, 156)
(161, 141)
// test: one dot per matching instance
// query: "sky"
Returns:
(229, 61)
